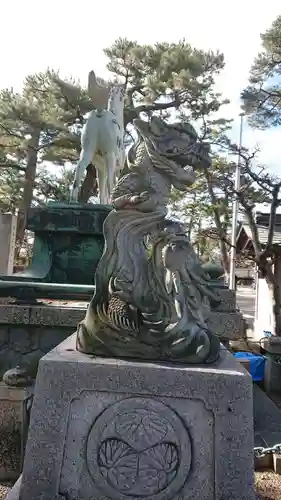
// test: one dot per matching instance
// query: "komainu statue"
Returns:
(152, 296)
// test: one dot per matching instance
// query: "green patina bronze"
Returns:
(68, 244)
(30, 291)
(216, 274)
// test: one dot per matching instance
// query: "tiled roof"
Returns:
(263, 234)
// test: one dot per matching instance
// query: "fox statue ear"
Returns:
(92, 82)
(98, 94)
(158, 126)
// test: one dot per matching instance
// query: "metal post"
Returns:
(235, 210)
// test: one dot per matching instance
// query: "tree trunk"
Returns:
(30, 173)
(191, 220)
(277, 306)
(89, 186)
(275, 297)
(218, 223)
(265, 256)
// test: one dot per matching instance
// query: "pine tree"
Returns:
(38, 125)
(43, 123)
(262, 97)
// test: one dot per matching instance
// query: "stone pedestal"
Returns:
(123, 430)
(15, 404)
(8, 229)
(27, 332)
(33, 330)
(224, 319)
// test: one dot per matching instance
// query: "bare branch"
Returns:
(179, 99)
(262, 183)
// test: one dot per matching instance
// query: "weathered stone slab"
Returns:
(70, 316)
(41, 315)
(28, 332)
(228, 300)
(14, 408)
(229, 326)
(123, 430)
(11, 314)
(59, 316)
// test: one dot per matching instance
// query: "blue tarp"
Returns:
(256, 364)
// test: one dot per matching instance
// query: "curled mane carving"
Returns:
(152, 296)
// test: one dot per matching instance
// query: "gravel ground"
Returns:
(268, 486)
(3, 491)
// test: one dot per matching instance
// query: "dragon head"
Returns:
(177, 142)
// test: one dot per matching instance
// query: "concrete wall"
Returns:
(263, 310)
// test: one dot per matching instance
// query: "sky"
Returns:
(70, 37)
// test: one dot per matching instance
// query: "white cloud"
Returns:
(71, 36)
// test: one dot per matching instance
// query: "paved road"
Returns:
(245, 298)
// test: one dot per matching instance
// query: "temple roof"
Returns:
(263, 234)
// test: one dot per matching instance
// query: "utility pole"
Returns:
(235, 210)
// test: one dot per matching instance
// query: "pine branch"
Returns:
(12, 165)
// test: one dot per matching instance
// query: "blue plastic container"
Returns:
(257, 364)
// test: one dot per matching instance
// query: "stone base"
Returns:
(123, 430)
(28, 332)
(227, 300)
(272, 372)
(224, 319)
(226, 325)
(14, 417)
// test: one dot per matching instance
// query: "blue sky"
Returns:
(70, 36)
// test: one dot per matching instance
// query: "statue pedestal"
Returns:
(116, 429)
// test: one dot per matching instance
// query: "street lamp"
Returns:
(235, 210)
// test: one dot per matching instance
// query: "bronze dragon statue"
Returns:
(152, 296)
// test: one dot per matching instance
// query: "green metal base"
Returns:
(68, 244)
(30, 291)
(216, 274)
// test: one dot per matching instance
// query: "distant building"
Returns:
(264, 315)
(244, 243)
